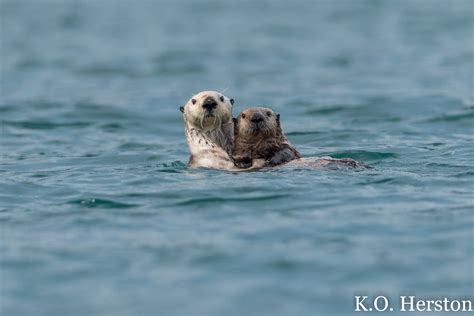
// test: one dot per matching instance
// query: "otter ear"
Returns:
(181, 108)
(278, 121)
(278, 117)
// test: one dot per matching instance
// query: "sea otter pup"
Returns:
(258, 134)
(210, 131)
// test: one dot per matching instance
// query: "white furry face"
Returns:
(208, 110)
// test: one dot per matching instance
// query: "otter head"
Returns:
(258, 122)
(207, 110)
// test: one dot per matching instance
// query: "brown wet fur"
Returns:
(264, 140)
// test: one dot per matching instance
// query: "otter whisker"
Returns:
(202, 122)
(224, 90)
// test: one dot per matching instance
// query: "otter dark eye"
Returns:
(193, 101)
(222, 98)
(269, 113)
(232, 101)
(243, 115)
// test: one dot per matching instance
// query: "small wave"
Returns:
(285, 265)
(7, 108)
(446, 211)
(299, 103)
(446, 165)
(28, 63)
(36, 105)
(41, 124)
(214, 199)
(101, 203)
(302, 133)
(327, 110)
(108, 70)
(361, 155)
(211, 258)
(379, 181)
(111, 127)
(339, 61)
(180, 69)
(99, 111)
(174, 56)
(464, 174)
(175, 164)
(454, 117)
(134, 145)
(173, 167)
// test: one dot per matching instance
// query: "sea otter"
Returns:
(211, 113)
(210, 132)
(258, 134)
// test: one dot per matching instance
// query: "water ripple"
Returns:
(45, 125)
(361, 155)
(453, 117)
(100, 203)
(202, 201)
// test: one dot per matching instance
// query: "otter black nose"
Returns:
(209, 103)
(256, 117)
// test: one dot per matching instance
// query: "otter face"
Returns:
(257, 122)
(208, 110)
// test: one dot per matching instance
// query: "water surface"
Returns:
(99, 214)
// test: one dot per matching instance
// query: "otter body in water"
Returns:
(209, 131)
(259, 139)
(258, 134)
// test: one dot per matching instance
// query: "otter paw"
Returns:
(242, 162)
(259, 163)
(243, 165)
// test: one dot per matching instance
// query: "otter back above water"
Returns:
(99, 214)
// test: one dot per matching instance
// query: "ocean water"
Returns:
(99, 214)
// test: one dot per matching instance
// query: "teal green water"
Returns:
(99, 214)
